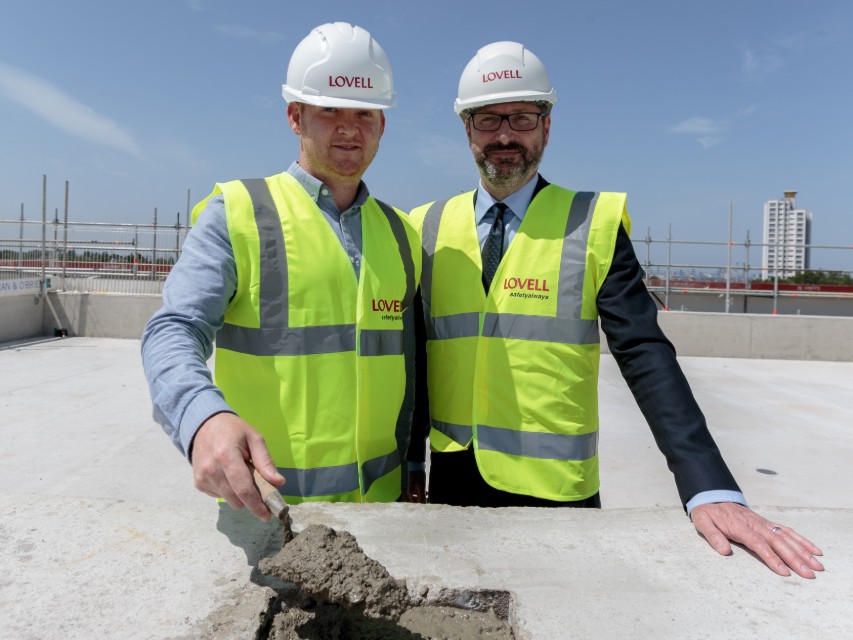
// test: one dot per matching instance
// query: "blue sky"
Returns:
(687, 106)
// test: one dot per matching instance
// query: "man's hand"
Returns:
(224, 450)
(416, 489)
(779, 547)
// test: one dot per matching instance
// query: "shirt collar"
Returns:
(518, 201)
(316, 189)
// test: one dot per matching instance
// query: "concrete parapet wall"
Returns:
(760, 336)
(735, 335)
(21, 316)
(99, 315)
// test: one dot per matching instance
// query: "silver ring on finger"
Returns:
(775, 529)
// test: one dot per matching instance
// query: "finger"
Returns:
(209, 478)
(758, 535)
(216, 486)
(263, 462)
(805, 542)
(768, 556)
(781, 552)
(713, 536)
(793, 553)
(240, 481)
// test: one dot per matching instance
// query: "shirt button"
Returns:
(324, 192)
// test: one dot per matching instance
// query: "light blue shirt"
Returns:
(345, 224)
(518, 202)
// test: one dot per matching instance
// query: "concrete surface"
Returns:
(103, 536)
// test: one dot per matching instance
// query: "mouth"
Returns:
(346, 146)
(500, 152)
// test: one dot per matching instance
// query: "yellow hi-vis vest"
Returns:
(310, 355)
(516, 371)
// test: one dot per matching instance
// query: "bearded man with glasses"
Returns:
(516, 275)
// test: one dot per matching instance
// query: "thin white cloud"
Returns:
(697, 126)
(62, 110)
(760, 64)
(241, 32)
(709, 141)
(709, 132)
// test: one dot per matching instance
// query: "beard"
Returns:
(509, 174)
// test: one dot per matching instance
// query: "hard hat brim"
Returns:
(460, 106)
(341, 103)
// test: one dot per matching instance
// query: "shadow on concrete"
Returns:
(257, 539)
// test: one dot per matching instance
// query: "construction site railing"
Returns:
(96, 257)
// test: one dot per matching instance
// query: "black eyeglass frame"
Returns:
(508, 117)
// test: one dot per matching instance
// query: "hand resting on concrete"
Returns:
(779, 547)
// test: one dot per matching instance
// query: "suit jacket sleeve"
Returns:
(648, 363)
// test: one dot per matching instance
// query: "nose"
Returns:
(504, 132)
(347, 124)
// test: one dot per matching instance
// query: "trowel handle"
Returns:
(269, 493)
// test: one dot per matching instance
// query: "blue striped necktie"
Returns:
(494, 246)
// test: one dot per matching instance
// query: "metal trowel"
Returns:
(275, 503)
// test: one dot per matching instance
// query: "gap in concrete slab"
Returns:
(437, 613)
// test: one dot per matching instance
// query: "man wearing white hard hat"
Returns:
(303, 279)
(516, 276)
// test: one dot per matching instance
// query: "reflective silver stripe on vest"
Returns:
(429, 237)
(405, 248)
(275, 337)
(460, 325)
(287, 341)
(546, 446)
(459, 433)
(381, 342)
(573, 260)
(541, 328)
(374, 469)
(322, 481)
(328, 481)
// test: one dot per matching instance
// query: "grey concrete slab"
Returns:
(103, 536)
(615, 574)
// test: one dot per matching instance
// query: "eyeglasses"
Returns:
(484, 121)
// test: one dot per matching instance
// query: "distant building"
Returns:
(787, 234)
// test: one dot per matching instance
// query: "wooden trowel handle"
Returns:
(269, 493)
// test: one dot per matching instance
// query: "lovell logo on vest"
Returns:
(532, 288)
(391, 308)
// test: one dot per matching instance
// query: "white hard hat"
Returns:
(503, 72)
(340, 65)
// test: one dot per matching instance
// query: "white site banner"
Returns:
(21, 285)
